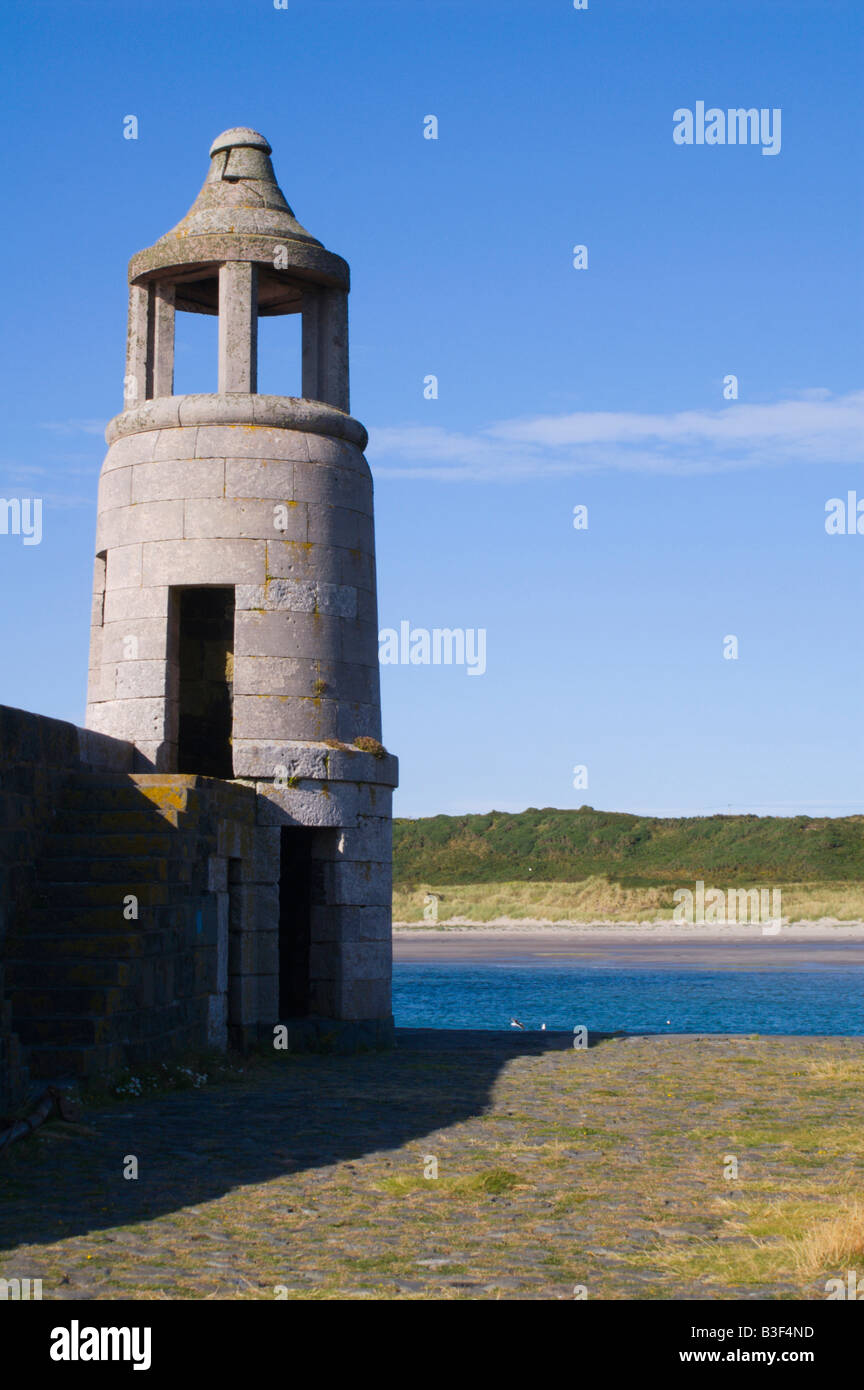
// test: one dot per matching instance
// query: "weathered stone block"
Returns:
(287, 634)
(137, 678)
(360, 643)
(126, 605)
(359, 721)
(95, 750)
(280, 716)
(357, 567)
(266, 863)
(142, 522)
(248, 596)
(172, 478)
(339, 526)
(365, 960)
(201, 562)
(217, 1021)
(130, 449)
(124, 567)
(308, 804)
(101, 684)
(250, 441)
(174, 444)
(299, 559)
(345, 487)
(367, 607)
(299, 597)
(324, 960)
(217, 874)
(273, 478)
(115, 489)
(130, 719)
(134, 639)
(365, 999)
(355, 923)
(358, 883)
(157, 755)
(268, 999)
(243, 999)
(336, 452)
(259, 953)
(232, 517)
(325, 998)
(262, 905)
(264, 675)
(234, 839)
(370, 840)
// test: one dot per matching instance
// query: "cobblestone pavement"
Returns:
(605, 1170)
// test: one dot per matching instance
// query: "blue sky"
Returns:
(557, 386)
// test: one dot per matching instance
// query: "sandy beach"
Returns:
(650, 943)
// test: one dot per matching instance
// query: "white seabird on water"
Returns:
(514, 1023)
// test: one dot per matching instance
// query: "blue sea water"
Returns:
(605, 998)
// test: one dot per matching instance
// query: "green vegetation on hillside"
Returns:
(635, 851)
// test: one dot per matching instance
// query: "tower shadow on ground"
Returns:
(294, 1113)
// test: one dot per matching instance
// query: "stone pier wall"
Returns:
(37, 758)
(89, 983)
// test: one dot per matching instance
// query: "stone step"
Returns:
(67, 1000)
(187, 781)
(94, 821)
(136, 1026)
(127, 869)
(84, 946)
(80, 1031)
(116, 844)
(33, 972)
(110, 780)
(66, 899)
(125, 798)
(48, 1060)
(99, 916)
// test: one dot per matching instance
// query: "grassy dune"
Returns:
(591, 865)
(599, 899)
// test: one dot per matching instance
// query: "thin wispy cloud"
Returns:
(75, 426)
(814, 427)
(33, 470)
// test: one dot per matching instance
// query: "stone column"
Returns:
(137, 341)
(325, 346)
(334, 345)
(160, 354)
(238, 326)
(309, 387)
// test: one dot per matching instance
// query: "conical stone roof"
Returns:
(240, 214)
(240, 193)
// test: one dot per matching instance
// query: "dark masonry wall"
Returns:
(37, 756)
(130, 908)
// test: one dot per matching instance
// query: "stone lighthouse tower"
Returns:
(235, 624)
